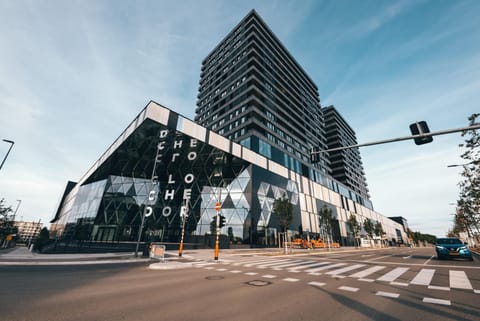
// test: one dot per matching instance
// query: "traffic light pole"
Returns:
(217, 236)
(441, 132)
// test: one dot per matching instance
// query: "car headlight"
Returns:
(464, 248)
(440, 247)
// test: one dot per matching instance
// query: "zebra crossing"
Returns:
(396, 276)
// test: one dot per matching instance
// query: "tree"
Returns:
(6, 223)
(43, 238)
(378, 229)
(467, 218)
(369, 227)
(325, 216)
(355, 227)
(283, 209)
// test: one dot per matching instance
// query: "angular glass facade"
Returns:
(164, 165)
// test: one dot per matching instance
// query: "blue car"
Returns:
(451, 247)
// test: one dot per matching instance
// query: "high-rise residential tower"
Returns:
(252, 91)
(346, 164)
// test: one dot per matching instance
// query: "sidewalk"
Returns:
(22, 256)
(19, 256)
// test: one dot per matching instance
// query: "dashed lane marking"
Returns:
(317, 284)
(236, 271)
(437, 301)
(269, 276)
(291, 280)
(441, 288)
(251, 273)
(348, 288)
(388, 294)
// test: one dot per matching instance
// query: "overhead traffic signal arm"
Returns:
(423, 136)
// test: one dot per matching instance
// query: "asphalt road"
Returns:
(390, 284)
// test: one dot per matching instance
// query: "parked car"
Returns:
(452, 247)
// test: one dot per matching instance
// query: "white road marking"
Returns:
(311, 265)
(348, 288)
(325, 267)
(388, 294)
(476, 291)
(459, 280)
(366, 280)
(441, 288)
(251, 273)
(316, 283)
(293, 263)
(236, 271)
(407, 257)
(222, 270)
(367, 272)
(437, 301)
(345, 269)
(424, 277)
(393, 275)
(264, 266)
(378, 258)
(209, 268)
(259, 262)
(269, 276)
(399, 283)
(291, 280)
(429, 260)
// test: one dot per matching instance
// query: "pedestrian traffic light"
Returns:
(420, 128)
(314, 155)
(222, 221)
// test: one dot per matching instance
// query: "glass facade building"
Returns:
(165, 165)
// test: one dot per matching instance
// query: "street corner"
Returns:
(170, 265)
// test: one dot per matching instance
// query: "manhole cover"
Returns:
(215, 277)
(258, 283)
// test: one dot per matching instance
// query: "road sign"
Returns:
(218, 206)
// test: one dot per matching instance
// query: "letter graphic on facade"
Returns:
(167, 211)
(174, 156)
(193, 142)
(177, 144)
(148, 211)
(192, 155)
(170, 179)
(163, 133)
(187, 193)
(189, 178)
(151, 195)
(161, 145)
(169, 194)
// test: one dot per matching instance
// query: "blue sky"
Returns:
(73, 74)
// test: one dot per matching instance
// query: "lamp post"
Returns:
(11, 142)
(18, 205)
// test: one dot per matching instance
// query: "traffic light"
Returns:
(314, 155)
(420, 128)
(222, 221)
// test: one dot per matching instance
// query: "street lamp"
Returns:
(11, 142)
(459, 165)
(18, 205)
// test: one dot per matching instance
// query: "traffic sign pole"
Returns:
(218, 207)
